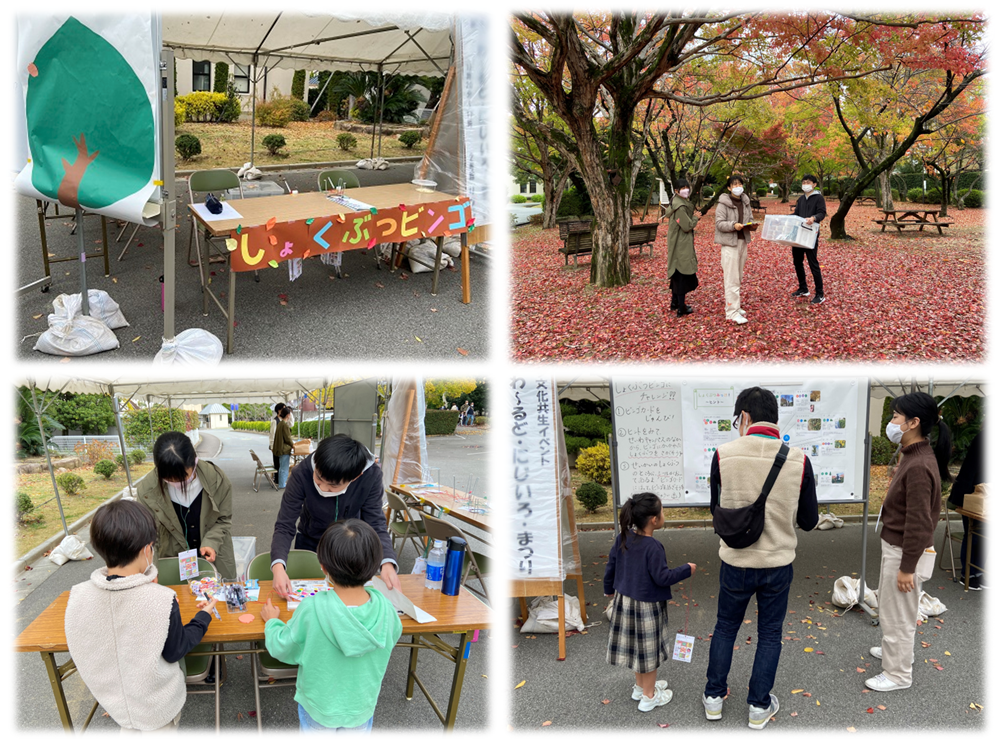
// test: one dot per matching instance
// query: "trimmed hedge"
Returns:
(974, 199)
(518, 199)
(882, 450)
(595, 463)
(252, 426)
(440, 422)
(587, 425)
(592, 496)
(576, 444)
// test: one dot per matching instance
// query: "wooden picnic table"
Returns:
(919, 217)
(460, 615)
(303, 207)
(447, 500)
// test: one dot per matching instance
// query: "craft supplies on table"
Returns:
(351, 203)
(302, 588)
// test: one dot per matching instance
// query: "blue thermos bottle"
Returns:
(453, 566)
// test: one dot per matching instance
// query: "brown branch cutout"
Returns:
(69, 188)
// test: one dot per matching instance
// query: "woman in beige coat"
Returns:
(731, 216)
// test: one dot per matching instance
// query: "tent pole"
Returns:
(121, 435)
(168, 198)
(372, 155)
(48, 458)
(253, 110)
(149, 409)
(381, 108)
(84, 296)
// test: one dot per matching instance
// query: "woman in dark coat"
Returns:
(682, 260)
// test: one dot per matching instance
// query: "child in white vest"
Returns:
(124, 631)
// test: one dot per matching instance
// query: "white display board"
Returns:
(667, 431)
(646, 414)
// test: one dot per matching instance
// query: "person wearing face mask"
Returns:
(909, 515)
(124, 631)
(682, 260)
(283, 445)
(338, 481)
(732, 235)
(191, 501)
(811, 206)
(763, 569)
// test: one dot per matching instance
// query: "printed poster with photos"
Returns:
(826, 419)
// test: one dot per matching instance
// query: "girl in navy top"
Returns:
(639, 579)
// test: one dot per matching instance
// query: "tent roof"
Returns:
(347, 40)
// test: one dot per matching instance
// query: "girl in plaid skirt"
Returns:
(638, 578)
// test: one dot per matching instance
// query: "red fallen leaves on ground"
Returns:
(889, 297)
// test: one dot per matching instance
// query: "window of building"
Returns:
(241, 79)
(201, 76)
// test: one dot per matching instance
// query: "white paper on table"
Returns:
(228, 212)
(401, 602)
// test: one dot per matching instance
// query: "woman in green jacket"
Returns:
(191, 501)
(682, 260)
(283, 444)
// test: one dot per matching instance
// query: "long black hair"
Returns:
(921, 405)
(173, 455)
(637, 512)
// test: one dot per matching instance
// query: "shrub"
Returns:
(518, 199)
(230, 108)
(592, 426)
(25, 507)
(707, 193)
(136, 457)
(409, 138)
(536, 219)
(537, 198)
(105, 468)
(567, 408)
(70, 483)
(895, 194)
(595, 463)
(203, 106)
(188, 146)
(882, 450)
(94, 451)
(180, 113)
(481, 420)
(933, 195)
(299, 84)
(274, 142)
(298, 110)
(120, 461)
(915, 195)
(347, 141)
(273, 113)
(221, 77)
(974, 199)
(326, 116)
(440, 421)
(761, 192)
(575, 444)
(591, 496)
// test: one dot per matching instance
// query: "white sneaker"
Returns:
(713, 707)
(882, 683)
(876, 651)
(760, 716)
(739, 319)
(661, 684)
(660, 697)
(741, 312)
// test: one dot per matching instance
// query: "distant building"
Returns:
(195, 76)
(214, 417)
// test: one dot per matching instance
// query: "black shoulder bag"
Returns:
(741, 527)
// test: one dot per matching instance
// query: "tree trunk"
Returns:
(550, 206)
(609, 264)
(886, 188)
(945, 194)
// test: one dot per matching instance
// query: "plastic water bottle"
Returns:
(435, 566)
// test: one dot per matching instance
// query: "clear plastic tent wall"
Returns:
(567, 523)
(404, 457)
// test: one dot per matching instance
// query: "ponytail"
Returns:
(921, 405)
(636, 513)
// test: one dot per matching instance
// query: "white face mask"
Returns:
(371, 462)
(737, 191)
(684, 192)
(894, 432)
(807, 187)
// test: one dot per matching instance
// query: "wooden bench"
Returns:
(581, 242)
(900, 225)
(755, 205)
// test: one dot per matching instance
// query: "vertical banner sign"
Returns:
(535, 551)
(473, 33)
(89, 85)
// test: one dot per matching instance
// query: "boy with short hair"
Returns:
(811, 206)
(124, 631)
(340, 639)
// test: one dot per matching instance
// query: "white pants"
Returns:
(897, 612)
(733, 260)
(171, 727)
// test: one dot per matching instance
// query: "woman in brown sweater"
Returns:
(909, 516)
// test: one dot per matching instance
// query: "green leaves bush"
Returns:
(575, 444)
(105, 468)
(347, 141)
(518, 199)
(595, 463)
(188, 146)
(537, 198)
(974, 199)
(915, 195)
(592, 426)
(409, 138)
(882, 450)
(592, 496)
(24, 508)
(71, 483)
(274, 142)
(136, 457)
(440, 421)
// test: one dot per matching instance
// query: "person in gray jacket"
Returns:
(731, 217)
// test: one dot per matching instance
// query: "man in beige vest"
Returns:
(763, 569)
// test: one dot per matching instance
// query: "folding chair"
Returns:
(208, 181)
(196, 668)
(475, 563)
(950, 538)
(267, 670)
(327, 179)
(401, 523)
(268, 472)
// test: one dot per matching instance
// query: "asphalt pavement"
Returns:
(254, 515)
(585, 692)
(369, 314)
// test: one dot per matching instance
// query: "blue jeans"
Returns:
(283, 470)
(736, 587)
(308, 725)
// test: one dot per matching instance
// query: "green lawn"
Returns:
(38, 486)
(228, 145)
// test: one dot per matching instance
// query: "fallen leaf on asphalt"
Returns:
(947, 653)
(808, 649)
(462, 351)
(378, 284)
(807, 694)
(859, 670)
(793, 713)
(547, 723)
(795, 692)
(605, 702)
(864, 691)
(37, 316)
(522, 683)
(880, 707)
(663, 725)
(851, 729)
(417, 338)
(870, 710)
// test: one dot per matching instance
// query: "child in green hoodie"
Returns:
(340, 639)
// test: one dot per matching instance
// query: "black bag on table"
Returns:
(741, 527)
